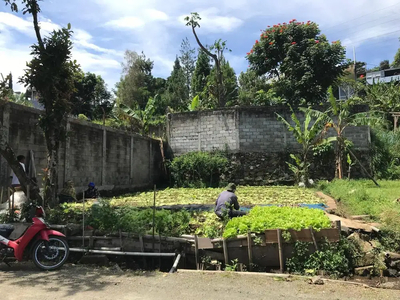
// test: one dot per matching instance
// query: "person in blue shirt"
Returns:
(227, 203)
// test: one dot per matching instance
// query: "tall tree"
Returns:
(136, 85)
(91, 96)
(301, 60)
(188, 62)
(51, 73)
(218, 48)
(177, 91)
(396, 60)
(201, 73)
(229, 83)
(384, 65)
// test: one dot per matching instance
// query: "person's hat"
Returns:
(231, 187)
(91, 184)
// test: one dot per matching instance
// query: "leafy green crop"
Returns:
(260, 219)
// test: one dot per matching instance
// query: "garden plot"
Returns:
(247, 195)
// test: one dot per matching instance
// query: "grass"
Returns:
(247, 195)
(363, 197)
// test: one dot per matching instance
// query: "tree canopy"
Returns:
(300, 60)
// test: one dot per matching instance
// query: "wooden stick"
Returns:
(226, 254)
(154, 214)
(142, 249)
(362, 167)
(9, 198)
(313, 238)
(250, 250)
(12, 206)
(196, 251)
(2, 191)
(280, 246)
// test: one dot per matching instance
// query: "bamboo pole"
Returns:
(9, 198)
(196, 251)
(280, 246)
(2, 192)
(339, 227)
(154, 215)
(226, 254)
(250, 250)
(28, 193)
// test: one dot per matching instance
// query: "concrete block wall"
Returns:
(113, 159)
(243, 129)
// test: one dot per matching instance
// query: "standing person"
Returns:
(228, 201)
(14, 179)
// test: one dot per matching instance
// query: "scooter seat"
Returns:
(6, 229)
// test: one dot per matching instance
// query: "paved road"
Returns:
(23, 281)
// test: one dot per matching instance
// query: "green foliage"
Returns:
(201, 73)
(254, 90)
(188, 61)
(177, 90)
(91, 96)
(260, 219)
(232, 266)
(385, 154)
(247, 195)
(382, 96)
(137, 82)
(396, 60)
(20, 98)
(229, 83)
(198, 169)
(207, 224)
(336, 259)
(301, 60)
(308, 136)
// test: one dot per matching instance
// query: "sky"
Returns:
(104, 29)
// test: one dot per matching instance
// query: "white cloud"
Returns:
(126, 23)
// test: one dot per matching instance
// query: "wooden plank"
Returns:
(280, 249)
(250, 250)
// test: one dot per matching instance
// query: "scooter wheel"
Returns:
(51, 257)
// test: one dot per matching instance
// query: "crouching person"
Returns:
(68, 193)
(227, 203)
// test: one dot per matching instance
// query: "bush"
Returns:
(260, 219)
(385, 154)
(335, 259)
(198, 169)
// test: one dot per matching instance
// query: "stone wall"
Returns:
(114, 160)
(258, 143)
(243, 129)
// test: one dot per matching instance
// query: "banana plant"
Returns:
(195, 104)
(142, 116)
(338, 117)
(307, 135)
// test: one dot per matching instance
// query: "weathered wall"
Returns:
(113, 159)
(258, 142)
(242, 129)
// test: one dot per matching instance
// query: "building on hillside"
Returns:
(387, 75)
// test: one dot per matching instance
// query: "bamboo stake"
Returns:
(279, 233)
(250, 250)
(226, 254)
(2, 191)
(196, 251)
(154, 215)
(28, 192)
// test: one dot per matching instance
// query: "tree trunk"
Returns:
(51, 186)
(8, 153)
(339, 159)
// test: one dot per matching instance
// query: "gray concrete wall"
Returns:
(113, 159)
(241, 129)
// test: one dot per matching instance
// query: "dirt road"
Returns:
(23, 281)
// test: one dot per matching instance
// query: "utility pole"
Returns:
(354, 57)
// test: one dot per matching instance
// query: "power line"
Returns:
(360, 17)
(373, 37)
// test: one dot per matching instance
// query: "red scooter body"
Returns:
(41, 240)
(38, 230)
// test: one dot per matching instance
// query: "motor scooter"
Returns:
(48, 248)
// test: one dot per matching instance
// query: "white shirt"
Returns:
(15, 178)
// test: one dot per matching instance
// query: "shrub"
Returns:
(335, 259)
(260, 219)
(198, 169)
